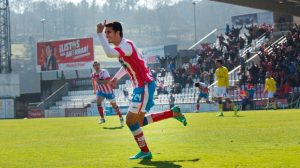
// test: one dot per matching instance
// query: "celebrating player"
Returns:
(270, 86)
(142, 80)
(222, 87)
(100, 82)
(203, 89)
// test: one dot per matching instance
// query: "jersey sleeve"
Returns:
(106, 75)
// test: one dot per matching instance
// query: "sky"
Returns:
(148, 3)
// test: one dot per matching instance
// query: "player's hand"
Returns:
(100, 27)
(113, 83)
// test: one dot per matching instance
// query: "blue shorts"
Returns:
(109, 97)
(203, 95)
(142, 98)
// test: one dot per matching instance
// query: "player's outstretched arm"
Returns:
(122, 72)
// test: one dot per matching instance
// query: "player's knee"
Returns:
(99, 102)
(114, 106)
(129, 122)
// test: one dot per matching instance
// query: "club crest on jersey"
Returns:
(121, 60)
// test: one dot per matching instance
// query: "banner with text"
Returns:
(151, 54)
(65, 54)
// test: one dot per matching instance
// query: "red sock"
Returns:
(100, 111)
(161, 115)
(198, 106)
(118, 111)
(140, 140)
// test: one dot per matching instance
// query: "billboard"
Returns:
(151, 54)
(36, 112)
(65, 54)
(244, 19)
(253, 18)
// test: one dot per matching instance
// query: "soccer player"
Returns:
(100, 82)
(270, 86)
(222, 87)
(203, 89)
(142, 81)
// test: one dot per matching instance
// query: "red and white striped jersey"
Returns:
(135, 66)
(102, 75)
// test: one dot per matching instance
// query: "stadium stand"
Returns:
(241, 57)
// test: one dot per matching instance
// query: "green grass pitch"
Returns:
(257, 139)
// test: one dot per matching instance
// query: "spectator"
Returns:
(171, 101)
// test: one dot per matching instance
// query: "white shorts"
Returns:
(270, 95)
(221, 92)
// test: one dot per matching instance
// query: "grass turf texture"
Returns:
(256, 139)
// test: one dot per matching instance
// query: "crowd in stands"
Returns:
(203, 68)
(283, 63)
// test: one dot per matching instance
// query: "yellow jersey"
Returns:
(222, 77)
(270, 85)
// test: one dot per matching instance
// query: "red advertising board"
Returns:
(261, 104)
(35, 112)
(65, 54)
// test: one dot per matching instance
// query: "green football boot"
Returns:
(142, 155)
(180, 118)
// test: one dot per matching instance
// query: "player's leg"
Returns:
(117, 109)
(274, 103)
(175, 112)
(206, 97)
(100, 109)
(137, 132)
(270, 99)
(220, 105)
(268, 104)
(220, 93)
(232, 106)
(132, 120)
(198, 103)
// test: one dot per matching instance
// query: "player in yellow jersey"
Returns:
(222, 87)
(270, 87)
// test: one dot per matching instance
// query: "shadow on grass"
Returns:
(164, 164)
(113, 128)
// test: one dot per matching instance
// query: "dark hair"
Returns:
(96, 63)
(219, 61)
(51, 47)
(116, 26)
(49, 44)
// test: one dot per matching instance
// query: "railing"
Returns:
(57, 95)
(204, 38)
